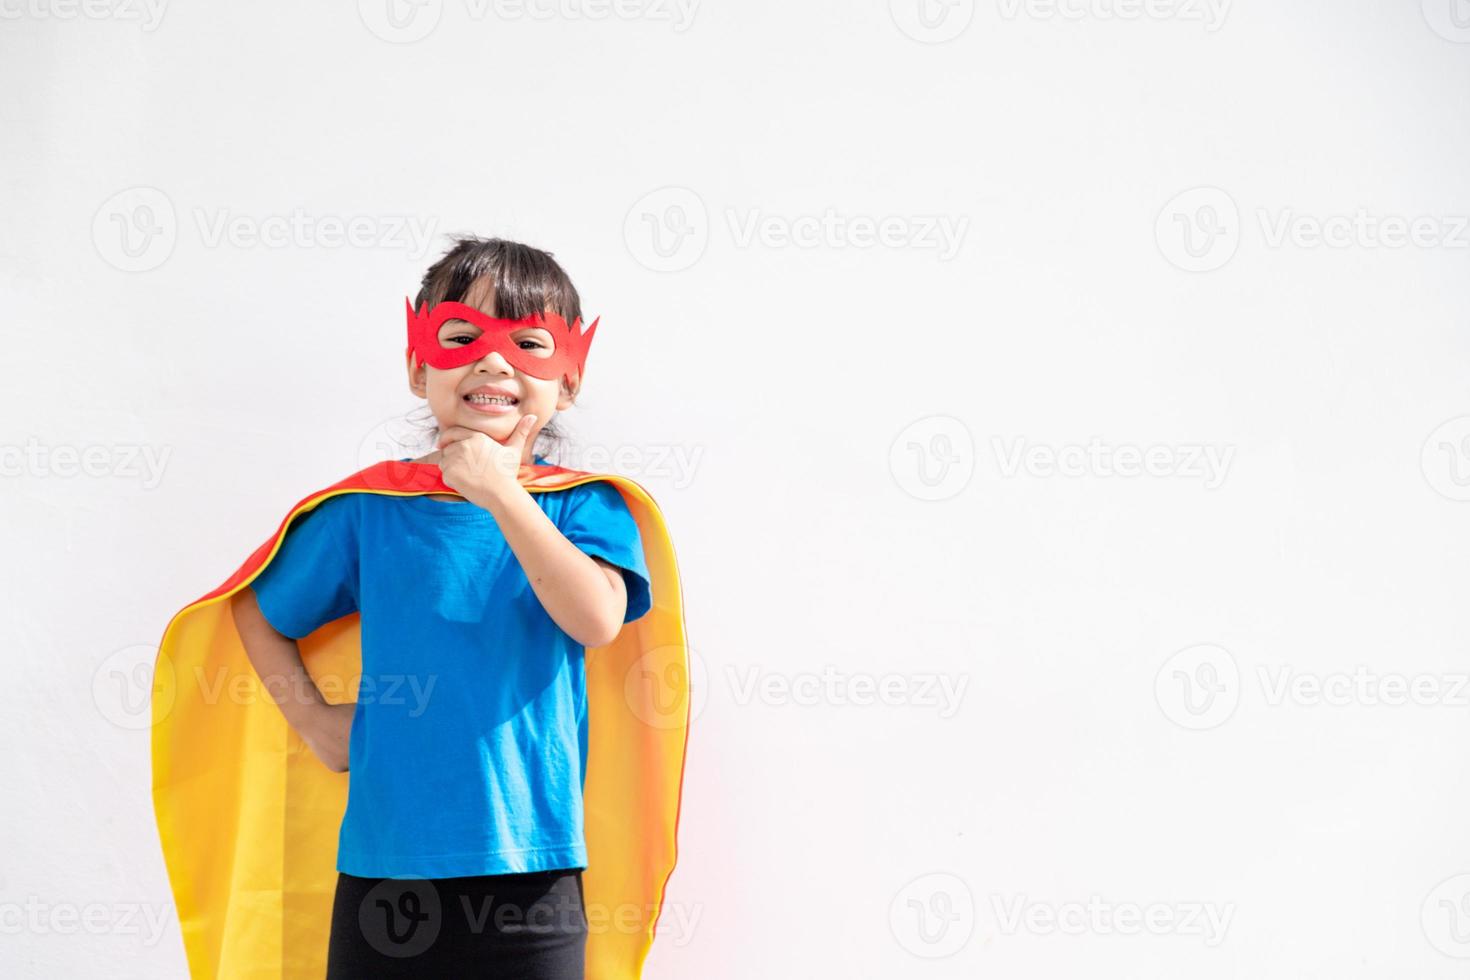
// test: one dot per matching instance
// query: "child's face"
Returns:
(447, 391)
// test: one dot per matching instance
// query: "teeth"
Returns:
(491, 399)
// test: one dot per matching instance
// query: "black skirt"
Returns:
(530, 926)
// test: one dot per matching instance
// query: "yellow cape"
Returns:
(248, 817)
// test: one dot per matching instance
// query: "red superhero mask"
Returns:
(567, 358)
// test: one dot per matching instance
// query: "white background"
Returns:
(852, 441)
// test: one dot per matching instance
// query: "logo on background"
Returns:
(1199, 687)
(128, 682)
(932, 21)
(1445, 917)
(400, 21)
(659, 692)
(933, 458)
(401, 917)
(1199, 229)
(1445, 459)
(392, 439)
(667, 229)
(1450, 19)
(135, 230)
(933, 916)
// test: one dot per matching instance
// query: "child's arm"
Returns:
(585, 596)
(277, 660)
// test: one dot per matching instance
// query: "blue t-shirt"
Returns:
(468, 752)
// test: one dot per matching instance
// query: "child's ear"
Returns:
(416, 380)
(567, 397)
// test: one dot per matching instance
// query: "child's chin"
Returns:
(502, 422)
(500, 428)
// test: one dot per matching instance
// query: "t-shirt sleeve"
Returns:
(598, 521)
(313, 578)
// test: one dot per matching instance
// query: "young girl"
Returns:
(462, 846)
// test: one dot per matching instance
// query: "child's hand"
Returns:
(327, 731)
(479, 467)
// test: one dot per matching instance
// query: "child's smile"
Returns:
(492, 399)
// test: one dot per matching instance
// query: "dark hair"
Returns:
(527, 280)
